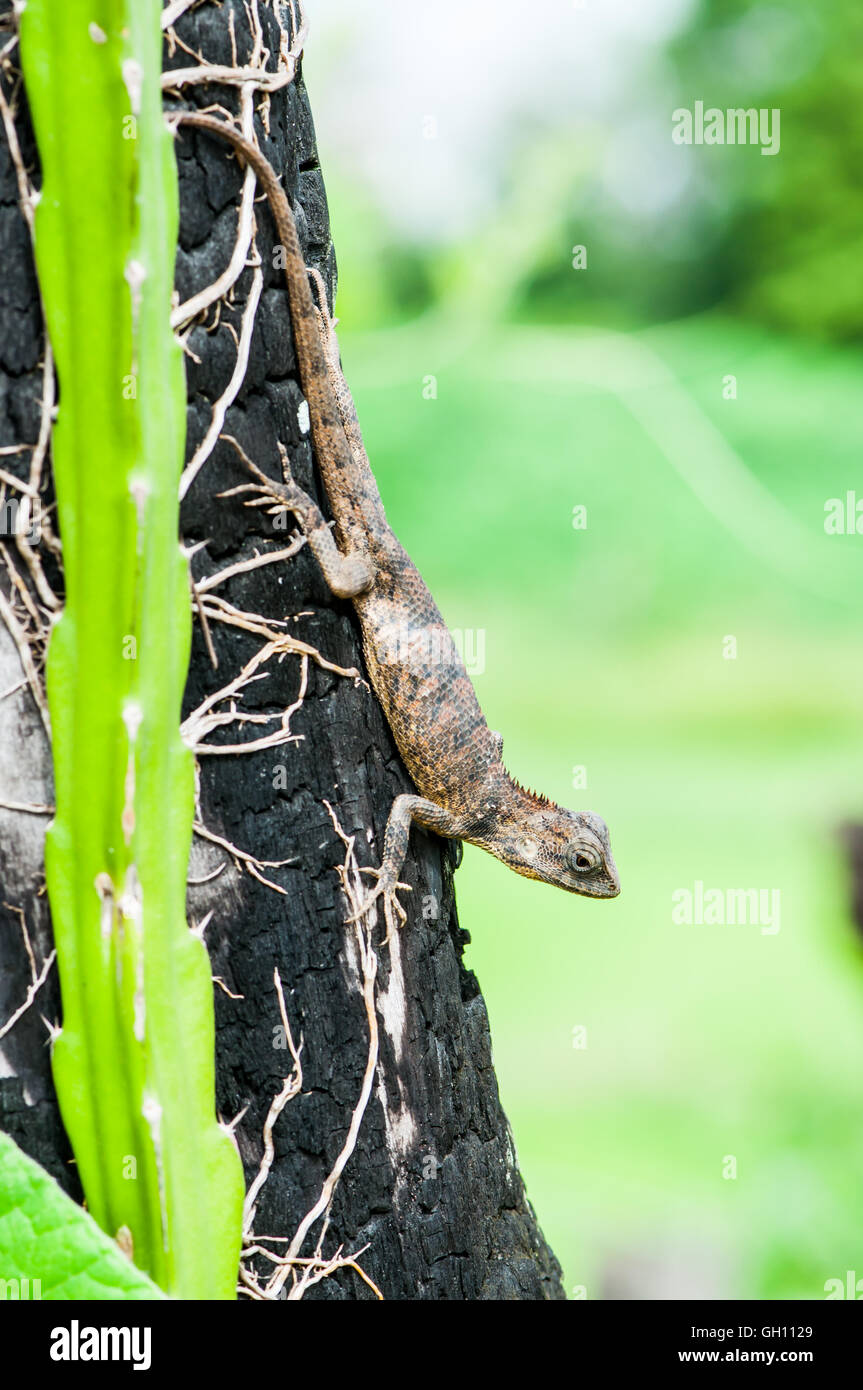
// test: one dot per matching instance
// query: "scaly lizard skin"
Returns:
(464, 790)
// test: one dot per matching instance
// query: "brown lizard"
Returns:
(454, 759)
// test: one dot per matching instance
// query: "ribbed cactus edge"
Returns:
(134, 1062)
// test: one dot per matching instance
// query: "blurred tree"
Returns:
(790, 224)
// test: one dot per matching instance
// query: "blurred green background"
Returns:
(499, 388)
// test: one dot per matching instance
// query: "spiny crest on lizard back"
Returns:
(536, 797)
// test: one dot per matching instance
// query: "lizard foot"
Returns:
(395, 915)
(347, 573)
(282, 495)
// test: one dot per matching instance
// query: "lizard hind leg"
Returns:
(405, 809)
(347, 573)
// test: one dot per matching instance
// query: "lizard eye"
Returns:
(582, 858)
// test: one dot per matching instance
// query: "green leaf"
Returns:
(52, 1243)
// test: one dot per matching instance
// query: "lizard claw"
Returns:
(270, 489)
(395, 915)
(263, 497)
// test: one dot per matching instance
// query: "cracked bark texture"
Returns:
(433, 1187)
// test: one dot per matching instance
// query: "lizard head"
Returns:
(567, 848)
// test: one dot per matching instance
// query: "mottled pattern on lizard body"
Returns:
(453, 758)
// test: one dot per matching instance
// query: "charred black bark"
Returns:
(28, 1107)
(433, 1188)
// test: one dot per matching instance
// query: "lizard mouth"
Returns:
(608, 888)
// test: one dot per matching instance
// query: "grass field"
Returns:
(605, 649)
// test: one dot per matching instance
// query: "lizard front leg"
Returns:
(406, 808)
(347, 574)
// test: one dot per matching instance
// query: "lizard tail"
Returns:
(348, 479)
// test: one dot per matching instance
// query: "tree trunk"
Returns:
(430, 1187)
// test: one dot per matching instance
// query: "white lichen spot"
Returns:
(135, 274)
(131, 905)
(133, 76)
(304, 418)
(127, 819)
(105, 889)
(125, 1242)
(352, 962)
(133, 717)
(152, 1113)
(392, 1002)
(140, 491)
(399, 1124)
(400, 1127)
(131, 900)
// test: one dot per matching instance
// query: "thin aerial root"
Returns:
(37, 977)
